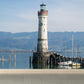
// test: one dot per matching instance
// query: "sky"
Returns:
(21, 15)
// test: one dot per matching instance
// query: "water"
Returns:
(21, 61)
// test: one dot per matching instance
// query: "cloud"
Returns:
(19, 27)
(67, 17)
(64, 15)
(27, 16)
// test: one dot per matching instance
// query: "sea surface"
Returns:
(21, 61)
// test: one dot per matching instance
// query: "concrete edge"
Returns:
(41, 71)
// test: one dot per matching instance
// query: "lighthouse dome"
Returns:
(43, 7)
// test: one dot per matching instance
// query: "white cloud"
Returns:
(27, 16)
(67, 17)
(64, 15)
(19, 27)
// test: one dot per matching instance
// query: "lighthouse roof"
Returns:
(43, 5)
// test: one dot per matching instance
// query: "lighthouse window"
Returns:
(40, 24)
(44, 30)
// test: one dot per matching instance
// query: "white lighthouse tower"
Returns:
(42, 54)
(42, 45)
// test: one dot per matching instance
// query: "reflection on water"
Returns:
(76, 67)
(41, 66)
(22, 61)
(44, 66)
(64, 67)
(69, 67)
(7, 62)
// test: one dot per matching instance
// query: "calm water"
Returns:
(21, 61)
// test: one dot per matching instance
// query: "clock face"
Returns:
(41, 24)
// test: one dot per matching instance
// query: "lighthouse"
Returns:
(42, 54)
(42, 45)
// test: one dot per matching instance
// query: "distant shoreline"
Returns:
(41, 71)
